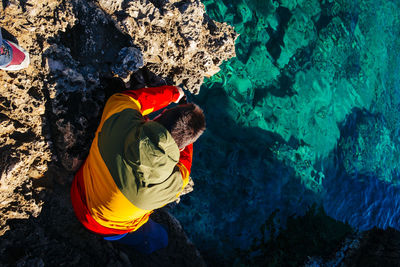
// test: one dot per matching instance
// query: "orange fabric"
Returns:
(106, 203)
(78, 198)
(154, 98)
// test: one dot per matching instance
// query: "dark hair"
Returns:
(185, 123)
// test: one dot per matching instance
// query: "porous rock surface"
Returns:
(178, 39)
(49, 112)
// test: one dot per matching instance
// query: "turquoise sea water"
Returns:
(308, 112)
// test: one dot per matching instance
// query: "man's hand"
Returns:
(181, 94)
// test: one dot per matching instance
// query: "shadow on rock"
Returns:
(56, 238)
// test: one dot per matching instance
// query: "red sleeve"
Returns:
(186, 157)
(154, 98)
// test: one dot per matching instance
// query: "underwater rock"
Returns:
(369, 149)
(300, 33)
(376, 247)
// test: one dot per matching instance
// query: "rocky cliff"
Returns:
(82, 52)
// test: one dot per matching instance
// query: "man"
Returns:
(12, 57)
(136, 165)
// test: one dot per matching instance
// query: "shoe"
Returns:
(15, 57)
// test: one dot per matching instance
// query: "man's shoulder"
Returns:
(120, 102)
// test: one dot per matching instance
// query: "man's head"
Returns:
(184, 122)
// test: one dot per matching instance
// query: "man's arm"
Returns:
(154, 98)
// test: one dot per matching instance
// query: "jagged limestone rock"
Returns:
(178, 40)
(25, 143)
(129, 60)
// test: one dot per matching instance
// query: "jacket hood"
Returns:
(151, 152)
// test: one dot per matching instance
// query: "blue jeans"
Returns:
(150, 237)
(5, 58)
